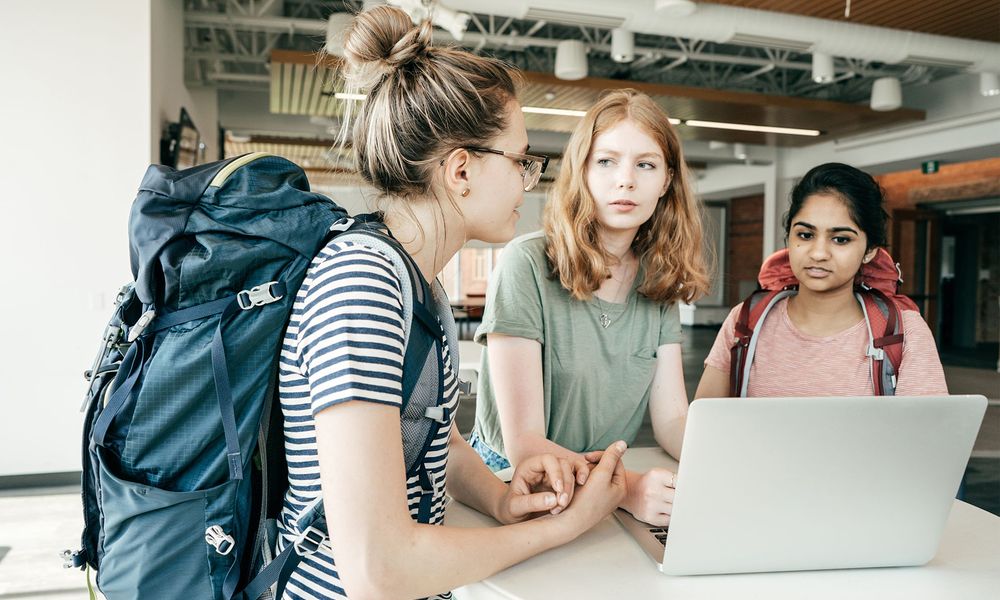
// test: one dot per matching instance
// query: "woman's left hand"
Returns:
(540, 484)
(651, 496)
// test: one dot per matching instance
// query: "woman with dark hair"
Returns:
(815, 342)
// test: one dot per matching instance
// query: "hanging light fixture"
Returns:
(989, 84)
(571, 60)
(886, 94)
(675, 8)
(822, 67)
(622, 45)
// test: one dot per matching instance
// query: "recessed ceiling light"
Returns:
(675, 8)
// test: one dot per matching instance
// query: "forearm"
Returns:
(670, 435)
(470, 481)
(429, 559)
(520, 446)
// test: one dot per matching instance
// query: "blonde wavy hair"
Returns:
(669, 245)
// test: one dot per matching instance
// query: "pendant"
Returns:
(605, 320)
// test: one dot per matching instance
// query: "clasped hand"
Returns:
(546, 484)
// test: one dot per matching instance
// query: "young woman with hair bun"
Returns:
(442, 138)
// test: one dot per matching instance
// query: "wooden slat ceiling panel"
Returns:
(297, 88)
(970, 19)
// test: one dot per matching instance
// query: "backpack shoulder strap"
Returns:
(746, 331)
(885, 329)
(416, 297)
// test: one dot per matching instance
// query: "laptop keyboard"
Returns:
(660, 533)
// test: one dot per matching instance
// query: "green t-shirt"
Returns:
(596, 380)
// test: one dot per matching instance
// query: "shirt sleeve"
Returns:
(513, 299)
(719, 357)
(670, 325)
(920, 373)
(351, 332)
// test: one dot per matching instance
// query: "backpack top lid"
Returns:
(255, 197)
(881, 273)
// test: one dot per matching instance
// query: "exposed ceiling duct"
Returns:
(727, 24)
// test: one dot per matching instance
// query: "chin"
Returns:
(497, 236)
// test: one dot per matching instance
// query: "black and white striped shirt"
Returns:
(345, 342)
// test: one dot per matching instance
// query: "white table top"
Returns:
(606, 562)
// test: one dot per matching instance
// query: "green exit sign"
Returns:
(929, 167)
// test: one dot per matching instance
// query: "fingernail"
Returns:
(564, 499)
(620, 446)
(557, 510)
(550, 500)
(558, 485)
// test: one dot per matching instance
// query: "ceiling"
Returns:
(968, 19)
(270, 46)
(303, 83)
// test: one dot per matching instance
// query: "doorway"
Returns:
(955, 276)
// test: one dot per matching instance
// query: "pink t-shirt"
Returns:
(788, 362)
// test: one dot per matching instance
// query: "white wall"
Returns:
(76, 123)
(169, 93)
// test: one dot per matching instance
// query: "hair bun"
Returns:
(381, 39)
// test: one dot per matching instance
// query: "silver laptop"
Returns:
(792, 484)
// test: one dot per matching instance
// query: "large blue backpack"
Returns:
(183, 468)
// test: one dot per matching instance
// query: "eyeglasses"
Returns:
(532, 165)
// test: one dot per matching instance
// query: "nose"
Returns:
(819, 249)
(626, 181)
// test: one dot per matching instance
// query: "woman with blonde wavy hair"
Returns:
(581, 322)
(442, 138)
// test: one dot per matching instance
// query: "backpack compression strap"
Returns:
(138, 355)
(887, 339)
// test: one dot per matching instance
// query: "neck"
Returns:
(825, 310)
(618, 243)
(429, 234)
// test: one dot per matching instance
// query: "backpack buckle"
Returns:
(140, 325)
(342, 225)
(220, 540)
(258, 295)
(72, 560)
(437, 413)
(308, 541)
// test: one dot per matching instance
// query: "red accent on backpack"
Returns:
(877, 283)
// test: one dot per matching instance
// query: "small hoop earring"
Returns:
(465, 192)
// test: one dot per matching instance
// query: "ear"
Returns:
(666, 184)
(456, 171)
(869, 255)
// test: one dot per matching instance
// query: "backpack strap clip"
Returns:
(309, 541)
(342, 225)
(144, 320)
(262, 294)
(220, 540)
(73, 560)
(437, 413)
